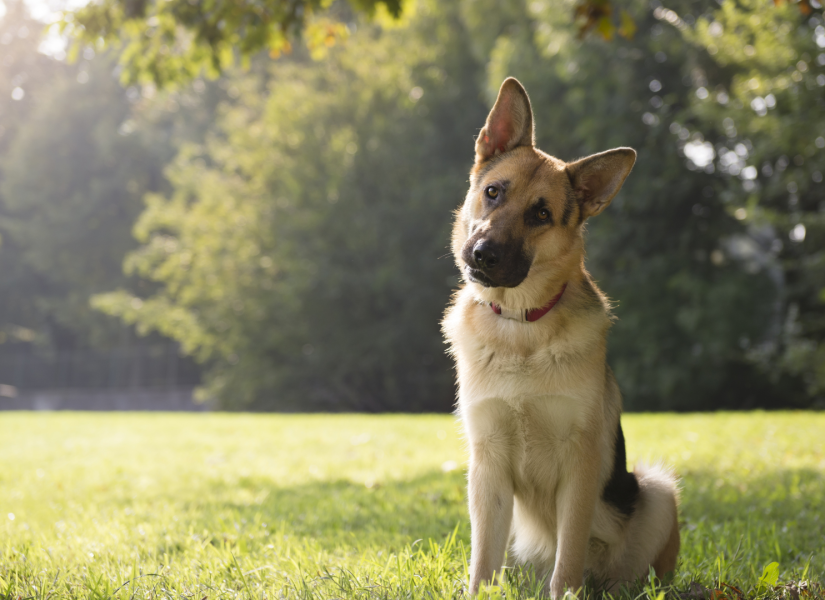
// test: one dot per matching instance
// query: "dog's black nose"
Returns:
(485, 254)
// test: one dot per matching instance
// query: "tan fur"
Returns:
(539, 404)
(666, 561)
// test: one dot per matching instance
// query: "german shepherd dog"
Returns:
(539, 405)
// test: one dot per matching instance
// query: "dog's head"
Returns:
(519, 233)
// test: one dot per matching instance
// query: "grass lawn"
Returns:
(350, 506)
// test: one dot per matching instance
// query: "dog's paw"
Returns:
(560, 590)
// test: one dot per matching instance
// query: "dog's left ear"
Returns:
(597, 178)
(509, 125)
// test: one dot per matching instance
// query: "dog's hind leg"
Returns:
(666, 561)
(652, 534)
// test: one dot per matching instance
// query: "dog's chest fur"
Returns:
(529, 393)
(546, 429)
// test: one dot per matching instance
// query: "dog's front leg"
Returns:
(491, 511)
(575, 508)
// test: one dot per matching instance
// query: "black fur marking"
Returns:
(490, 204)
(569, 203)
(570, 179)
(594, 300)
(488, 166)
(536, 170)
(531, 216)
(574, 198)
(622, 490)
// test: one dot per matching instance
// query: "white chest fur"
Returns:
(534, 436)
(527, 391)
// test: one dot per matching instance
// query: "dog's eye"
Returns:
(491, 191)
(543, 214)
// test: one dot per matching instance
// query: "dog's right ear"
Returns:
(509, 124)
(597, 178)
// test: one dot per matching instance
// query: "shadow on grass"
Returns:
(730, 528)
(736, 527)
(779, 497)
(332, 513)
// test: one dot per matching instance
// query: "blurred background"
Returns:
(195, 214)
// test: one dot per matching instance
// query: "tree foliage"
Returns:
(173, 40)
(297, 242)
(762, 108)
(293, 254)
(70, 218)
(684, 303)
(77, 154)
(299, 253)
(22, 70)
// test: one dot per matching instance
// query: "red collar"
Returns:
(529, 315)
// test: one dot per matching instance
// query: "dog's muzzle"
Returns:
(493, 264)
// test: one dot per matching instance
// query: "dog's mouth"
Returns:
(494, 264)
(478, 276)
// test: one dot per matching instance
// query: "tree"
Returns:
(23, 73)
(761, 112)
(71, 216)
(299, 253)
(173, 41)
(684, 304)
(77, 153)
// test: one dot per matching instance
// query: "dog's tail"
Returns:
(653, 531)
